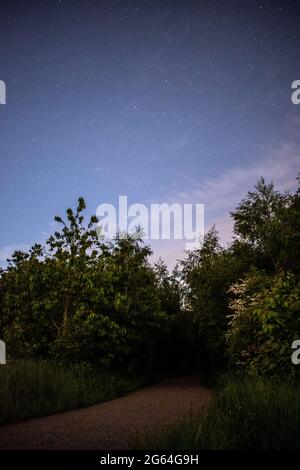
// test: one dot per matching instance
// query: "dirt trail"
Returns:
(111, 425)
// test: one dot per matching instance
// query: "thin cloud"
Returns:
(220, 195)
(280, 164)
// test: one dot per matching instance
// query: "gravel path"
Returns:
(111, 425)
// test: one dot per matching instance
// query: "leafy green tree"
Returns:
(260, 224)
(223, 285)
(264, 323)
(242, 329)
(265, 316)
(208, 273)
(79, 299)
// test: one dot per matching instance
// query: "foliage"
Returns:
(277, 315)
(82, 300)
(245, 297)
(79, 299)
(32, 388)
(242, 325)
(208, 273)
(265, 308)
(260, 222)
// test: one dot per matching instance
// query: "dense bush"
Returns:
(82, 300)
(266, 309)
(245, 298)
(207, 275)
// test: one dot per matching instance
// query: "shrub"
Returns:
(264, 323)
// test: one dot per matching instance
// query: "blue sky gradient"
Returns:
(162, 101)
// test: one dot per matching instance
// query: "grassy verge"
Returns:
(38, 388)
(245, 414)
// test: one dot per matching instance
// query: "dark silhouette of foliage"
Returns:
(81, 300)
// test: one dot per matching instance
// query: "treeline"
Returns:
(246, 298)
(80, 300)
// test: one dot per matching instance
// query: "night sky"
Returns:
(163, 101)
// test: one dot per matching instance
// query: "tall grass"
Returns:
(37, 388)
(245, 414)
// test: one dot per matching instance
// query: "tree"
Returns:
(260, 223)
(208, 273)
(79, 299)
